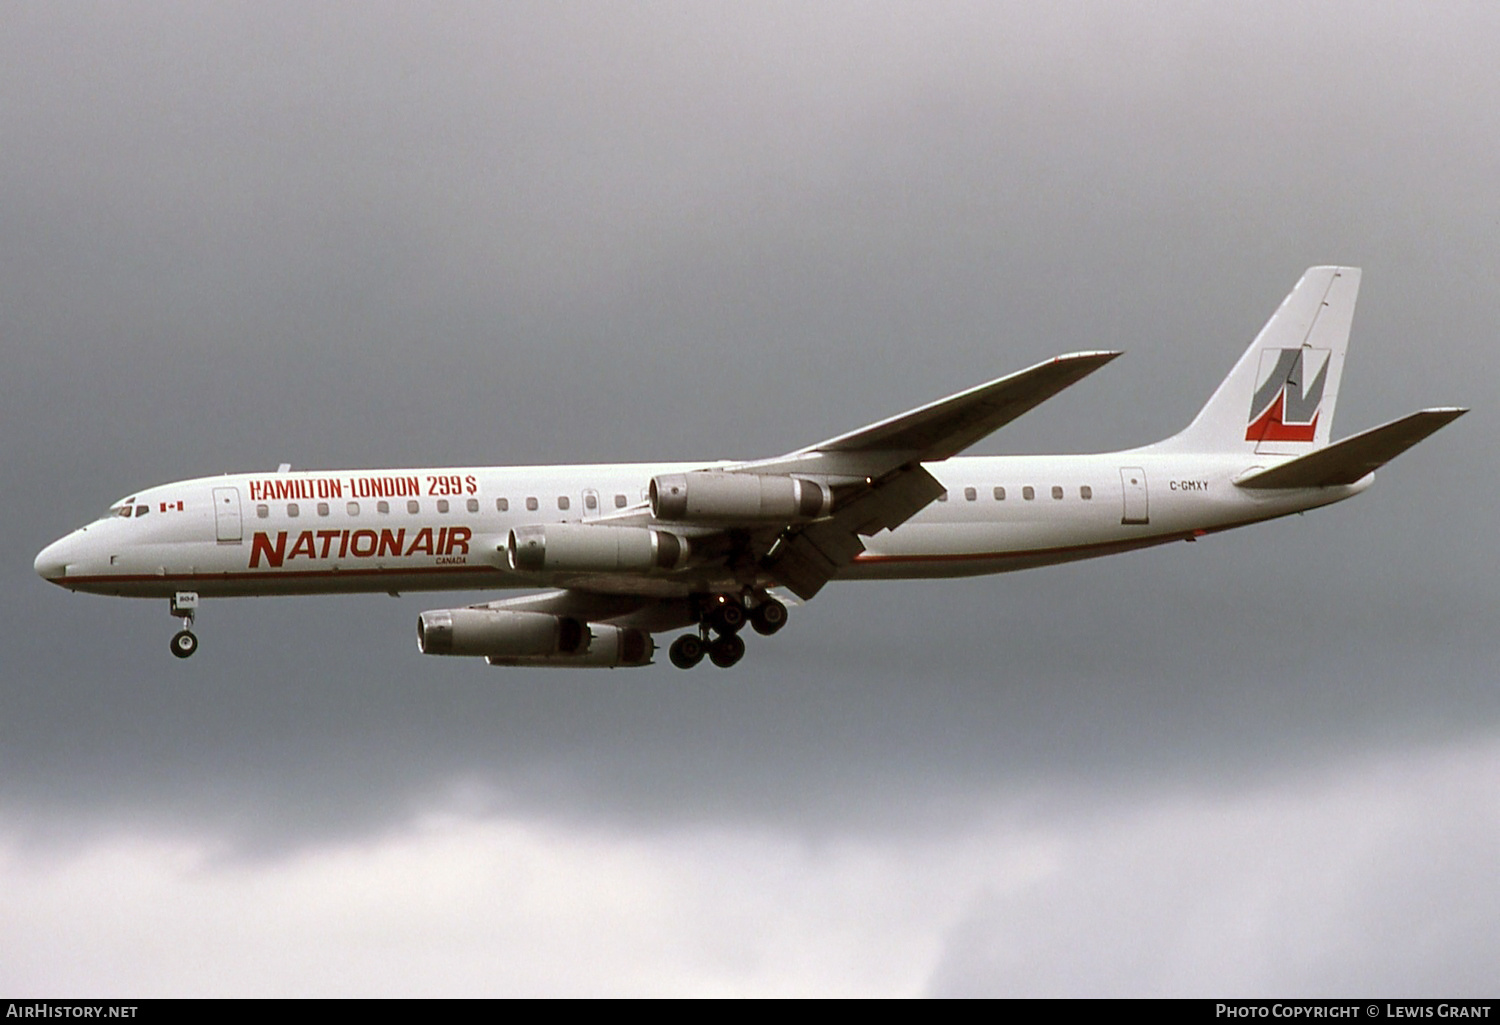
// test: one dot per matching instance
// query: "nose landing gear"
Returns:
(185, 607)
(184, 643)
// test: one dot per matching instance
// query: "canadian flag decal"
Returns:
(1288, 394)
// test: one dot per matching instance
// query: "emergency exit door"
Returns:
(1133, 485)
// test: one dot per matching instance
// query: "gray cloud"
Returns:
(1367, 879)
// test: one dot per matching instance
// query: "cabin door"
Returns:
(227, 515)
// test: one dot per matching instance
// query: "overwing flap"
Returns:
(807, 558)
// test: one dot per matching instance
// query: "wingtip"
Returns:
(1092, 356)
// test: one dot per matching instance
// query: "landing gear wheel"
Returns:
(768, 617)
(686, 651)
(184, 643)
(726, 615)
(725, 651)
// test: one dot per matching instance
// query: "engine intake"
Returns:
(708, 496)
(593, 548)
(500, 634)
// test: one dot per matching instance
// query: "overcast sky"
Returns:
(342, 235)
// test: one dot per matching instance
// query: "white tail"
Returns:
(1279, 398)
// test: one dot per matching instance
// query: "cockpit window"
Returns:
(126, 510)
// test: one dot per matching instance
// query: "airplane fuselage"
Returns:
(446, 529)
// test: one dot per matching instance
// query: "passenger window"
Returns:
(1028, 492)
(262, 511)
(473, 505)
(531, 505)
(1056, 492)
(502, 505)
(562, 501)
(293, 510)
(353, 508)
(619, 501)
(999, 494)
(591, 501)
(943, 497)
(322, 508)
(970, 494)
(1085, 492)
(442, 505)
(413, 506)
(383, 508)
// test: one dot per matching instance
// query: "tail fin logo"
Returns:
(1288, 395)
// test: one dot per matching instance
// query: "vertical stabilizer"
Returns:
(1279, 398)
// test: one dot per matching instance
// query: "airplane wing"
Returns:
(939, 429)
(877, 472)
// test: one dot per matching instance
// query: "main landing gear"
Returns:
(185, 607)
(719, 625)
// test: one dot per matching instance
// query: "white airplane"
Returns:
(626, 551)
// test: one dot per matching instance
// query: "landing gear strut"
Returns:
(185, 607)
(725, 615)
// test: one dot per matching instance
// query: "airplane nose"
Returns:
(52, 562)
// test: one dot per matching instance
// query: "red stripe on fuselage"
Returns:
(304, 574)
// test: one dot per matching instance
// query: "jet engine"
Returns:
(500, 634)
(612, 647)
(708, 496)
(593, 548)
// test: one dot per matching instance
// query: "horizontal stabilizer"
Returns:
(1351, 459)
